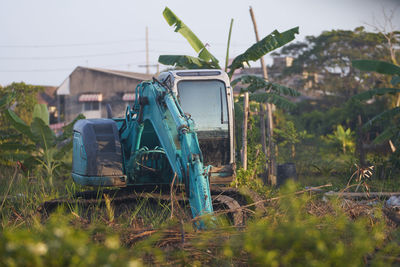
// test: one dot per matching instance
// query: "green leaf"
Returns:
(42, 133)
(384, 116)
(382, 67)
(15, 156)
(387, 134)
(395, 80)
(67, 146)
(19, 124)
(16, 146)
(375, 92)
(279, 101)
(6, 99)
(68, 130)
(257, 83)
(264, 46)
(186, 62)
(193, 40)
(65, 140)
(40, 111)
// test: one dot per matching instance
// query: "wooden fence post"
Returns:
(244, 130)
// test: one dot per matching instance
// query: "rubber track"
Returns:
(231, 198)
(117, 197)
(230, 204)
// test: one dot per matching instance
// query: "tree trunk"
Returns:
(263, 139)
(244, 130)
(270, 126)
(270, 154)
(293, 151)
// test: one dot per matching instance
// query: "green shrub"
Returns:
(291, 236)
(58, 244)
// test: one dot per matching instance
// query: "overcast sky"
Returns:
(42, 41)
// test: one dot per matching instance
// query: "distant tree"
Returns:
(21, 98)
(287, 134)
(329, 55)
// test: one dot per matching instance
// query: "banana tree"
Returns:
(391, 117)
(265, 91)
(206, 60)
(10, 142)
(45, 148)
(344, 137)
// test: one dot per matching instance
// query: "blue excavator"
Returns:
(179, 130)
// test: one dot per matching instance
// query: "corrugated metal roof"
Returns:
(90, 97)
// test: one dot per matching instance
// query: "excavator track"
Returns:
(223, 203)
(225, 200)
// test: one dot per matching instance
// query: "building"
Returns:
(89, 90)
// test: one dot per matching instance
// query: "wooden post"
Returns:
(270, 124)
(244, 129)
(263, 140)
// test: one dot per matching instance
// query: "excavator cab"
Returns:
(207, 97)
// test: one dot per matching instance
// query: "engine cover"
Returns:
(97, 156)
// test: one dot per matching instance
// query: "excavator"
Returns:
(179, 130)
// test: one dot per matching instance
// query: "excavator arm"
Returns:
(157, 106)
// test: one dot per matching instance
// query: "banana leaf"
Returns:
(6, 135)
(382, 67)
(186, 62)
(40, 111)
(42, 133)
(264, 46)
(13, 156)
(63, 148)
(6, 99)
(375, 92)
(193, 40)
(257, 83)
(386, 115)
(19, 124)
(13, 146)
(68, 129)
(279, 101)
(387, 134)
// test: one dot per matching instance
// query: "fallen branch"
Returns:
(362, 194)
(263, 201)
